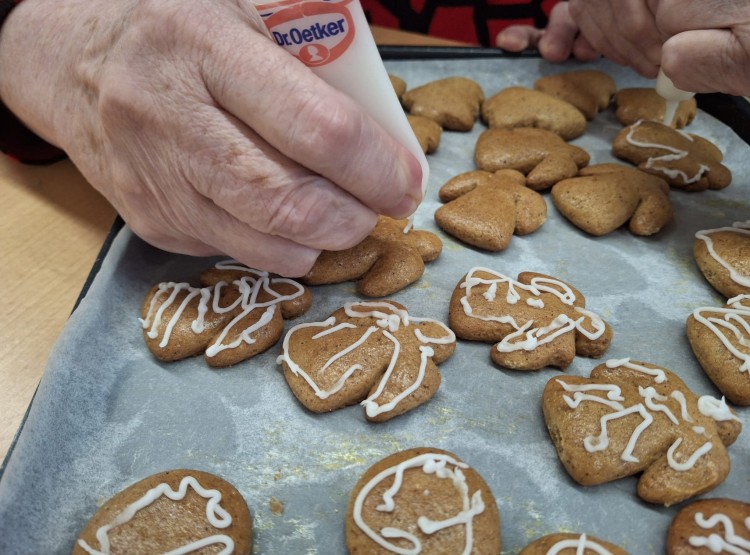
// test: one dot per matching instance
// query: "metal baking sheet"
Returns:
(107, 414)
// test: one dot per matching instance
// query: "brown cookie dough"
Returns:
(720, 339)
(452, 102)
(428, 132)
(683, 160)
(589, 90)
(235, 314)
(385, 262)
(485, 209)
(723, 256)
(636, 104)
(571, 544)
(604, 197)
(541, 155)
(535, 322)
(170, 511)
(710, 526)
(633, 418)
(520, 107)
(374, 353)
(422, 500)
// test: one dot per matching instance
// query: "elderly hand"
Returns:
(204, 135)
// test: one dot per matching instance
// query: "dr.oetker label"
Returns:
(316, 32)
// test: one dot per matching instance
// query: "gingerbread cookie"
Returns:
(386, 261)
(369, 352)
(720, 339)
(589, 90)
(485, 209)
(428, 132)
(178, 511)
(683, 160)
(630, 418)
(539, 154)
(571, 544)
(521, 107)
(632, 105)
(710, 526)
(236, 314)
(723, 256)
(452, 102)
(422, 500)
(606, 196)
(398, 84)
(537, 321)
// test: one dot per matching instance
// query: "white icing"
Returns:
(601, 442)
(742, 228)
(730, 323)
(690, 462)
(443, 467)
(216, 515)
(657, 373)
(715, 408)
(580, 544)
(730, 542)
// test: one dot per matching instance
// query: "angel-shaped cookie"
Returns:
(386, 261)
(723, 256)
(237, 313)
(710, 526)
(567, 543)
(639, 103)
(536, 321)
(452, 102)
(630, 418)
(542, 156)
(683, 160)
(589, 90)
(485, 209)
(603, 197)
(720, 339)
(370, 352)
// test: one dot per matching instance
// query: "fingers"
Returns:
(582, 50)
(556, 45)
(517, 38)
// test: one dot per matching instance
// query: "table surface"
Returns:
(52, 225)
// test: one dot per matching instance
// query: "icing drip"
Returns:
(742, 228)
(443, 467)
(732, 324)
(674, 154)
(216, 515)
(730, 542)
(715, 408)
(580, 544)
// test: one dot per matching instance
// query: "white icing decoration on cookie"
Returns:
(715, 408)
(657, 373)
(216, 515)
(732, 324)
(580, 544)
(704, 235)
(601, 442)
(690, 462)
(730, 542)
(430, 463)
(674, 155)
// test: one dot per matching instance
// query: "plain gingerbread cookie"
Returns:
(723, 257)
(589, 90)
(422, 500)
(428, 132)
(176, 510)
(634, 104)
(710, 526)
(485, 209)
(633, 418)
(452, 102)
(571, 544)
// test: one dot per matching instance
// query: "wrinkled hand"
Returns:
(702, 45)
(204, 135)
(556, 43)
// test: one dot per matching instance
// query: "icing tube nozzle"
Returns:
(673, 96)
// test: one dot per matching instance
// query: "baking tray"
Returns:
(106, 414)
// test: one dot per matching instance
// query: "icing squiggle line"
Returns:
(580, 544)
(690, 462)
(430, 463)
(742, 228)
(216, 515)
(674, 155)
(732, 323)
(730, 543)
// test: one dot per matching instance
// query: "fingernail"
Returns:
(406, 207)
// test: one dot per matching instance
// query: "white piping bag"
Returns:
(666, 89)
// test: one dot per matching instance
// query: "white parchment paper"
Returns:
(108, 414)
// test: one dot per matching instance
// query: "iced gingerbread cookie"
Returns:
(603, 197)
(428, 132)
(720, 339)
(590, 91)
(178, 511)
(632, 105)
(452, 102)
(535, 322)
(485, 209)
(520, 107)
(422, 500)
(390, 258)
(235, 314)
(372, 353)
(541, 155)
(723, 256)
(571, 544)
(710, 526)
(633, 418)
(683, 160)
